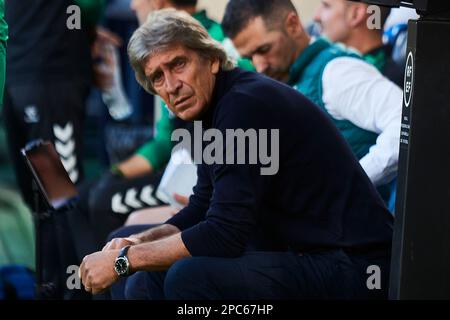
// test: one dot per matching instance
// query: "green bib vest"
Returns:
(306, 77)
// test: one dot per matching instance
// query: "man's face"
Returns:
(143, 8)
(183, 79)
(272, 51)
(332, 17)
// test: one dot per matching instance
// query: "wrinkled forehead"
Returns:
(164, 55)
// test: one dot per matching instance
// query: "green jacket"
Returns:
(158, 150)
(16, 240)
(306, 76)
(3, 39)
(91, 10)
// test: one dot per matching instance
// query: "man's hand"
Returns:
(103, 50)
(135, 166)
(104, 37)
(184, 201)
(107, 36)
(104, 71)
(97, 271)
(119, 243)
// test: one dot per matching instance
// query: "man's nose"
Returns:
(133, 5)
(317, 15)
(260, 63)
(173, 84)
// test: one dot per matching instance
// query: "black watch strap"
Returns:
(123, 252)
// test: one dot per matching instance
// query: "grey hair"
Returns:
(168, 27)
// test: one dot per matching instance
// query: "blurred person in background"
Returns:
(365, 106)
(48, 78)
(347, 22)
(131, 184)
(296, 234)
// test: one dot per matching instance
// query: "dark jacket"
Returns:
(320, 199)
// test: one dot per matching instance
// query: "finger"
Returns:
(83, 271)
(109, 245)
(108, 36)
(129, 241)
(181, 199)
(115, 244)
(106, 246)
(98, 290)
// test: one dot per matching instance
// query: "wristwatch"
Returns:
(122, 265)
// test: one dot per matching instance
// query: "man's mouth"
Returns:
(274, 74)
(179, 102)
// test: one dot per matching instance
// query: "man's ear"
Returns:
(292, 24)
(215, 66)
(357, 15)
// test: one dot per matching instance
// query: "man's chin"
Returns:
(282, 77)
(188, 116)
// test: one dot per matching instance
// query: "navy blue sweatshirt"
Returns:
(320, 199)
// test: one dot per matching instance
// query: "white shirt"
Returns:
(356, 91)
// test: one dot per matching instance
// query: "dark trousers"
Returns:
(48, 111)
(260, 275)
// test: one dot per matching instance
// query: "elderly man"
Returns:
(314, 226)
(153, 155)
(347, 22)
(365, 106)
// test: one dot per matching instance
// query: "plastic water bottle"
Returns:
(114, 97)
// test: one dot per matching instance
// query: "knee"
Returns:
(135, 287)
(145, 286)
(184, 280)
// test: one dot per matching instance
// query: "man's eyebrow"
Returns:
(252, 53)
(247, 55)
(152, 74)
(169, 64)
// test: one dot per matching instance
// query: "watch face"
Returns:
(121, 266)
